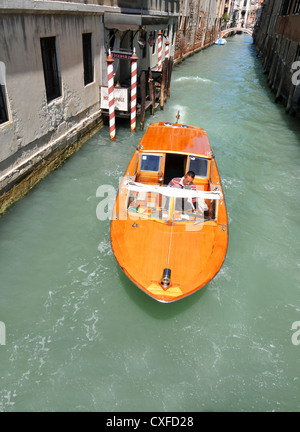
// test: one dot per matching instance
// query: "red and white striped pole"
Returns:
(159, 49)
(133, 59)
(167, 43)
(111, 100)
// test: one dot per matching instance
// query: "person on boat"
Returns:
(185, 182)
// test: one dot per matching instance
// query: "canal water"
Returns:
(79, 336)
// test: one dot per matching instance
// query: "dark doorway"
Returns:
(175, 166)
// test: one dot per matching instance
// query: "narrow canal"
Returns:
(81, 337)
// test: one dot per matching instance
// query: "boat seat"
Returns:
(148, 199)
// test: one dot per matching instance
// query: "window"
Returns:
(150, 163)
(286, 7)
(296, 9)
(180, 22)
(173, 33)
(199, 166)
(87, 58)
(3, 109)
(154, 38)
(297, 55)
(50, 65)
(154, 205)
(112, 38)
(144, 48)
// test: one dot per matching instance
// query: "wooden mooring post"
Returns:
(151, 92)
(143, 99)
(163, 84)
(151, 95)
(167, 78)
(170, 67)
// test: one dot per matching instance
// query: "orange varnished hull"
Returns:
(145, 246)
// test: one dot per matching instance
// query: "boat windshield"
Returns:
(152, 205)
(199, 166)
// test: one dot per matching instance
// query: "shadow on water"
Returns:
(157, 310)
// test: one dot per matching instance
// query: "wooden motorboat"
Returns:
(168, 249)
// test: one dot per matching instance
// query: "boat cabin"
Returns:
(161, 168)
(156, 165)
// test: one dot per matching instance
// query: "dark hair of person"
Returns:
(191, 174)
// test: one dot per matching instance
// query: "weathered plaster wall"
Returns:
(31, 116)
(38, 130)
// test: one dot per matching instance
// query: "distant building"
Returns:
(240, 13)
(237, 12)
(254, 13)
(277, 40)
(199, 24)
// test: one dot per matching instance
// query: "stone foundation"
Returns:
(20, 180)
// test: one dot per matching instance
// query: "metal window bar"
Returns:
(51, 75)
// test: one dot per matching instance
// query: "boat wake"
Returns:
(194, 78)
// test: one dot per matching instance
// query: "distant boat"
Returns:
(167, 249)
(221, 41)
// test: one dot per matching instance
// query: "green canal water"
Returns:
(81, 337)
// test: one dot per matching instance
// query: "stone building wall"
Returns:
(37, 128)
(199, 23)
(37, 132)
(277, 40)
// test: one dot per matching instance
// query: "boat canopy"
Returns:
(171, 191)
